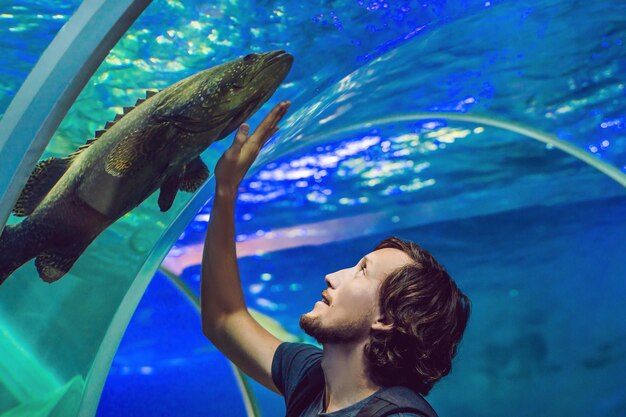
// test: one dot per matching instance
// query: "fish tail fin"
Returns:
(13, 250)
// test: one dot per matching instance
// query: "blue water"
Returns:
(533, 235)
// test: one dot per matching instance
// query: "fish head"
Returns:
(252, 80)
(221, 98)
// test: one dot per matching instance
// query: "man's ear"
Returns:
(380, 324)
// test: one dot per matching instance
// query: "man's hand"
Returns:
(234, 164)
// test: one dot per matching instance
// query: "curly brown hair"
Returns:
(428, 314)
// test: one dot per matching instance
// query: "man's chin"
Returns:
(348, 333)
(306, 317)
(308, 323)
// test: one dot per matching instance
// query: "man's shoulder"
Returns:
(292, 348)
(302, 353)
(291, 363)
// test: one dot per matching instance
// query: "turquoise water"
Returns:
(532, 234)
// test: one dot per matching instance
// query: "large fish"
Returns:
(155, 144)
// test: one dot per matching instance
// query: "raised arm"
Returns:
(225, 318)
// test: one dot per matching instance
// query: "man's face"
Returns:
(349, 305)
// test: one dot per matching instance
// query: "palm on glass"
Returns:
(237, 160)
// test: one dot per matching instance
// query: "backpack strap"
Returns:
(399, 399)
(381, 408)
(305, 392)
(376, 407)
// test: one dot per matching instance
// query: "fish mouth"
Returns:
(267, 79)
(270, 75)
(280, 57)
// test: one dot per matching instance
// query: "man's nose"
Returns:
(330, 280)
(334, 279)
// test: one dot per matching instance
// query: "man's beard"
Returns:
(344, 333)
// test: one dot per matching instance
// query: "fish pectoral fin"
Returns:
(134, 150)
(196, 173)
(169, 188)
(54, 263)
(45, 175)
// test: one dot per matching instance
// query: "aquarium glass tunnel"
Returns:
(491, 132)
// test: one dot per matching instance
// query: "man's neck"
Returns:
(345, 374)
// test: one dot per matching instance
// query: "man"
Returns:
(389, 326)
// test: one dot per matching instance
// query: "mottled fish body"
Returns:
(154, 145)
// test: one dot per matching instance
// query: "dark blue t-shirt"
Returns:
(291, 363)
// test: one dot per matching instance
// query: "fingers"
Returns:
(268, 127)
(264, 130)
(241, 136)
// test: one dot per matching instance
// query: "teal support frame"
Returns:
(52, 87)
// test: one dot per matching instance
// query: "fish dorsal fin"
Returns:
(195, 174)
(81, 148)
(87, 144)
(107, 126)
(117, 117)
(150, 93)
(45, 175)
